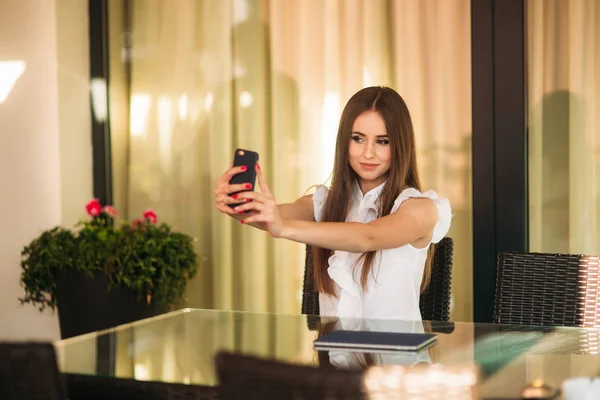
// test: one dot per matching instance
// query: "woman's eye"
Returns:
(383, 141)
(357, 139)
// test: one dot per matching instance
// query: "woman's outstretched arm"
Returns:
(412, 223)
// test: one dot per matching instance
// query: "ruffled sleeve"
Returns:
(443, 205)
(319, 198)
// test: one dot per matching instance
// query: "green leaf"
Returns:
(102, 236)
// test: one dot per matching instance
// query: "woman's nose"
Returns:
(369, 151)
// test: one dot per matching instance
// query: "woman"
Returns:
(373, 230)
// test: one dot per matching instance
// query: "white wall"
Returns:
(74, 115)
(45, 167)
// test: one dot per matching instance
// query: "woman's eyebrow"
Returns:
(362, 134)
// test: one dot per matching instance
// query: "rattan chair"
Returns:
(92, 387)
(249, 377)
(29, 371)
(434, 302)
(310, 295)
(547, 289)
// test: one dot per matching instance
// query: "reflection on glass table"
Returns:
(180, 347)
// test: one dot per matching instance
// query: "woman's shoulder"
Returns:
(321, 191)
(443, 207)
(414, 193)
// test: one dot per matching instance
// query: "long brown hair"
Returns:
(402, 174)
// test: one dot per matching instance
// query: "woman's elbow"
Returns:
(368, 241)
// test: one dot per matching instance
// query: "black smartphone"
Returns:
(249, 159)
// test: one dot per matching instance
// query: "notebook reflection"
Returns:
(360, 357)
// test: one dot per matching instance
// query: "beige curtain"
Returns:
(208, 76)
(564, 131)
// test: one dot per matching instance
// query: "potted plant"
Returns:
(106, 273)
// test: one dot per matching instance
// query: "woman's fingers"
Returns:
(255, 218)
(238, 187)
(230, 173)
(223, 187)
(254, 196)
(258, 207)
(261, 181)
(249, 206)
(224, 208)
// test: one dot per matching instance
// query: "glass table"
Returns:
(179, 347)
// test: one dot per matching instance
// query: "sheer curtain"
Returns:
(564, 138)
(209, 76)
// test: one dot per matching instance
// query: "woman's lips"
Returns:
(368, 166)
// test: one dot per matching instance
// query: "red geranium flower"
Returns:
(137, 223)
(110, 210)
(151, 215)
(93, 208)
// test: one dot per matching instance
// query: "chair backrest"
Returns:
(310, 295)
(434, 302)
(547, 289)
(100, 387)
(29, 371)
(249, 377)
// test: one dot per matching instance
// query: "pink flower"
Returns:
(93, 208)
(138, 222)
(110, 210)
(151, 215)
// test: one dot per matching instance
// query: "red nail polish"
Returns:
(240, 212)
(248, 200)
(257, 166)
(244, 168)
(248, 186)
(235, 196)
(242, 221)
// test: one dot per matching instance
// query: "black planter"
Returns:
(86, 305)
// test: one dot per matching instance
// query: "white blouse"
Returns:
(393, 292)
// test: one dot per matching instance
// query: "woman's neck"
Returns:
(367, 185)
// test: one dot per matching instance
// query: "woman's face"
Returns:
(369, 152)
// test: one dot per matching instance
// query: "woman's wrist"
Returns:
(287, 229)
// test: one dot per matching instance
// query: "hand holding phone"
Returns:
(249, 159)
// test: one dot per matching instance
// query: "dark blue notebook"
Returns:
(375, 341)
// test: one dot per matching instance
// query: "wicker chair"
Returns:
(547, 289)
(92, 387)
(310, 295)
(434, 302)
(248, 377)
(29, 371)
